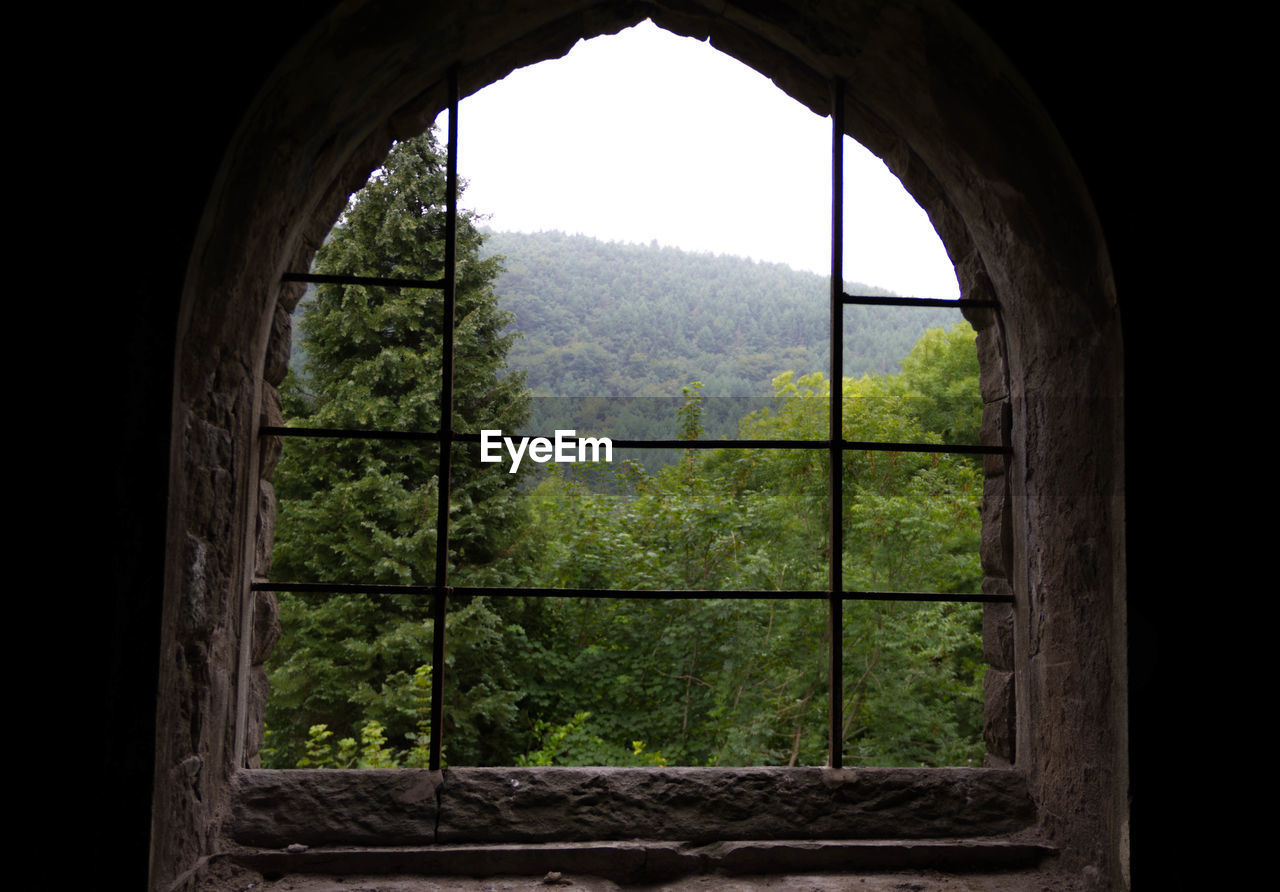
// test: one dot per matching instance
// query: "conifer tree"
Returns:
(364, 510)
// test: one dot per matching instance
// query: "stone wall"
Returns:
(930, 95)
(699, 805)
(999, 725)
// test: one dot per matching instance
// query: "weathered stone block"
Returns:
(265, 539)
(255, 716)
(994, 465)
(978, 287)
(997, 418)
(997, 625)
(994, 545)
(291, 292)
(704, 804)
(266, 626)
(998, 714)
(279, 343)
(272, 416)
(993, 381)
(861, 855)
(318, 807)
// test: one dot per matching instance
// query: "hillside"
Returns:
(610, 319)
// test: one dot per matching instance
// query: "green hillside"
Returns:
(610, 319)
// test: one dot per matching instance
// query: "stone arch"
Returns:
(930, 94)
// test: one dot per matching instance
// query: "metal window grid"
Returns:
(836, 446)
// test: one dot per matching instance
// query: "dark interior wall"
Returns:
(174, 142)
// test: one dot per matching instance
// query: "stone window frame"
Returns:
(980, 153)
(996, 595)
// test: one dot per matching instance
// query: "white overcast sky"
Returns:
(646, 135)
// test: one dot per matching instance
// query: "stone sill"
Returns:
(653, 861)
(409, 807)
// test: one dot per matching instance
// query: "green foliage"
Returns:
(574, 744)
(371, 752)
(939, 378)
(365, 510)
(721, 681)
(639, 320)
(661, 680)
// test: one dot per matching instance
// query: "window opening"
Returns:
(834, 445)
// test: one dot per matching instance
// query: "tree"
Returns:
(359, 510)
(940, 378)
(721, 681)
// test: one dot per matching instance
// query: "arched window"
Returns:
(993, 208)
(388, 265)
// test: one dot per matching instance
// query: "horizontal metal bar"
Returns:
(849, 445)
(872, 300)
(377, 281)
(347, 433)
(645, 594)
(342, 588)
(964, 597)
(676, 444)
(719, 444)
(959, 449)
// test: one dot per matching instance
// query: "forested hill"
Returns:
(610, 319)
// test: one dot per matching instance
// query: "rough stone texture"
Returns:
(625, 861)
(996, 546)
(997, 420)
(702, 804)
(266, 532)
(526, 805)
(266, 626)
(998, 715)
(279, 343)
(223, 874)
(993, 382)
(832, 855)
(272, 416)
(277, 808)
(646, 861)
(977, 287)
(934, 98)
(255, 711)
(997, 626)
(997, 532)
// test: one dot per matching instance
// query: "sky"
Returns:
(645, 135)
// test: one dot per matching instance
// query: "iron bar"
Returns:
(375, 281)
(349, 433)
(446, 428)
(958, 449)
(846, 445)
(835, 445)
(869, 300)
(375, 588)
(935, 597)
(835, 433)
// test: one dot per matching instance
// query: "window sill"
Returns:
(694, 805)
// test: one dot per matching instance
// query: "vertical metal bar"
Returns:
(446, 427)
(835, 619)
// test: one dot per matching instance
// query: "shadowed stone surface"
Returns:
(489, 805)
(277, 808)
(934, 98)
(633, 862)
(697, 804)
(997, 625)
(998, 727)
